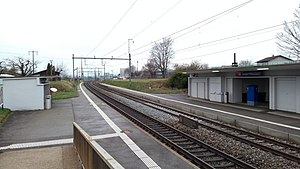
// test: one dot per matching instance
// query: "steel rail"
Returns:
(242, 136)
(198, 152)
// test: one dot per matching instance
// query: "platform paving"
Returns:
(122, 152)
(39, 125)
(59, 157)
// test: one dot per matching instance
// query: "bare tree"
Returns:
(195, 65)
(61, 69)
(150, 67)
(161, 54)
(289, 40)
(2, 67)
(20, 66)
(245, 63)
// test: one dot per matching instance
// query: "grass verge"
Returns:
(65, 89)
(155, 86)
(4, 114)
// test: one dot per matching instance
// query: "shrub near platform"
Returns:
(65, 89)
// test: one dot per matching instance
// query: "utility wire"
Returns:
(202, 21)
(123, 16)
(147, 27)
(143, 30)
(243, 46)
(231, 38)
(223, 40)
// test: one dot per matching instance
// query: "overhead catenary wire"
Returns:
(234, 37)
(210, 19)
(112, 29)
(206, 44)
(205, 22)
(222, 51)
(147, 27)
(230, 49)
(227, 39)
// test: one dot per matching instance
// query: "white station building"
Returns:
(273, 84)
(25, 93)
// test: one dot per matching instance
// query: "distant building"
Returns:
(274, 60)
(46, 73)
(122, 72)
(55, 75)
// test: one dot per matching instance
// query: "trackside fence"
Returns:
(91, 154)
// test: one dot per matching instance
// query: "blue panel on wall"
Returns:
(252, 93)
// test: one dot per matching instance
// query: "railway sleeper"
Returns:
(224, 165)
(205, 154)
(169, 135)
(183, 144)
(192, 147)
(162, 130)
(172, 137)
(182, 139)
(197, 150)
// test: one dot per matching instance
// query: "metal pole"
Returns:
(32, 59)
(51, 67)
(104, 72)
(73, 67)
(129, 60)
(81, 70)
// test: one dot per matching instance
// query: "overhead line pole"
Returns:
(112, 58)
(129, 60)
(32, 59)
(73, 67)
(107, 58)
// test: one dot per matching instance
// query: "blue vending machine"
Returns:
(252, 93)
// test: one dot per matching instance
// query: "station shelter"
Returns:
(25, 93)
(276, 87)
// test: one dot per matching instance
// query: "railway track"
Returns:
(200, 153)
(273, 146)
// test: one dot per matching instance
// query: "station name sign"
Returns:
(249, 73)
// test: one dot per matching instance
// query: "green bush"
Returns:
(178, 80)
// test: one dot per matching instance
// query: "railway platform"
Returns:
(259, 112)
(285, 125)
(126, 143)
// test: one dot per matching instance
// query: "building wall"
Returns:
(285, 93)
(198, 88)
(216, 89)
(23, 94)
(275, 87)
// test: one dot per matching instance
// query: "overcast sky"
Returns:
(59, 28)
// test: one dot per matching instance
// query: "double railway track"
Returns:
(198, 152)
(267, 144)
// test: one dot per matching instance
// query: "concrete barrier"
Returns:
(227, 120)
(247, 125)
(91, 154)
(294, 138)
(273, 132)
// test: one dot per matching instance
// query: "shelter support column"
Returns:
(189, 86)
(298, 94)
(272, 93)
